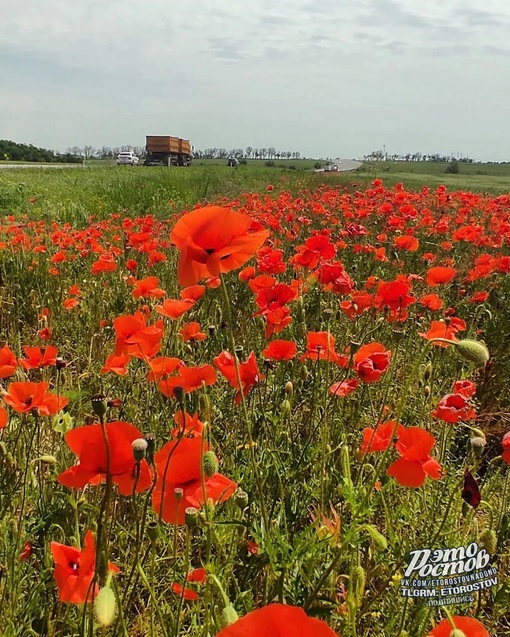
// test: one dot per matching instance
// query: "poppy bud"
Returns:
(60, 363)
(205, 405)
(241, 499)
(354, 347)
(210, 464)
(285, 408)
(3, 449)
(153, 531)
(9, 460)
(46, 459)
(473, 351)
(228, 616)
(179, 393)
(105, 607)
(427, 372)
(150, 439)
(345, 463)
(478, 445)
(358, 582)
(191, 517)
(139, 447)
(289, 388)
(489, 541)
(327, 314)
(380, 542)
(426, 391)
(99, 405)
(304, 372)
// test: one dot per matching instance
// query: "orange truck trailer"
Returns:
(167, 151)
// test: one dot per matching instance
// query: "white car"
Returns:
(127, 158)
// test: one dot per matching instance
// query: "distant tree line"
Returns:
(12, 151)
(246, 153)
(381, 155)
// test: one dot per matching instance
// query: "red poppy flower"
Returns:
(191, 332)
(471, 491)
(37, 357)
(277, 320)
(213, 240)
(394, 296)
(469, 626)
(333, 277)
(406, 242)
(135, 337)
(453, 408)
(479, 297)
(371, 362)
(198, 575)
(439, 275)
(4, 417)
(88, 443)
(281, 350)
(278, 620)
(179, 464)
(8, 362)
(248, 372)
(148, 288)
(321, 346)
(70, 304)
(174, 308)
(187, 425)
(431, 302)
(414, 445)
(75, 569)
(247, 273)
(344, 388)
(116, 364)
(25, 397)
(440, 329)
(26, 552)
(378, 439)
(162, 366)
(505, 443)
(189, 379)
(465, 388)
(193, 292)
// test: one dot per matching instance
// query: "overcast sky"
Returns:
(328, 78)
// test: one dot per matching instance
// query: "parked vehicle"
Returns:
(167, 151)
(127, 158)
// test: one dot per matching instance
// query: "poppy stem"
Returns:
(258, 478)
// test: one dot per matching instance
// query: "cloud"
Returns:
(263, 73)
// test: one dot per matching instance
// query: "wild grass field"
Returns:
(234, 402)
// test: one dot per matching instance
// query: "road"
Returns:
(344, 165)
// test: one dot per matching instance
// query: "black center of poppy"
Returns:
(73, 565)
(209, 250)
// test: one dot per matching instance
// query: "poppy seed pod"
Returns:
(99, 405)
(60, 363)
(473, 351)
(191, 517)
(153, 531)
(210, 464)
(139, 446)
(241, 499)
(150, 439)
(478, 445)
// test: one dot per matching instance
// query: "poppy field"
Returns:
(241, 415)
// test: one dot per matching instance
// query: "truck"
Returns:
(167, 151)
